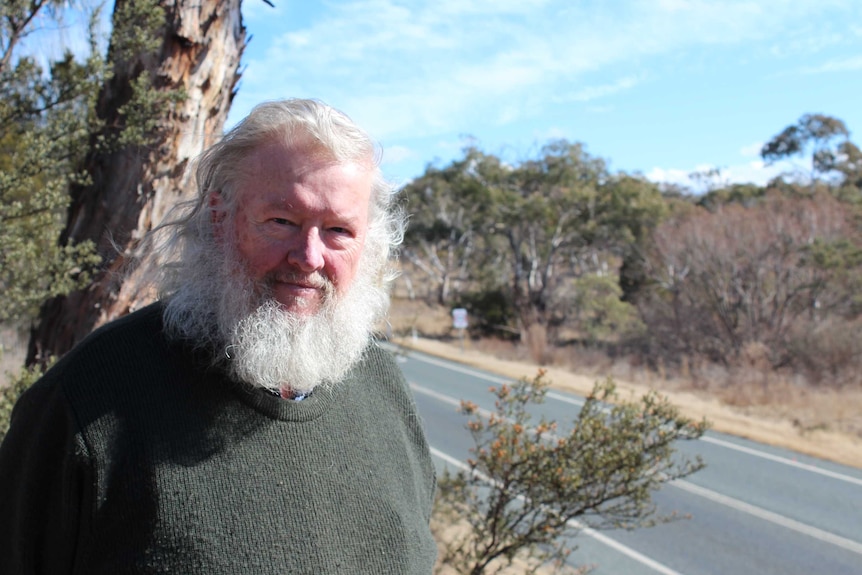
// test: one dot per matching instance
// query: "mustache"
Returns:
(316, 280)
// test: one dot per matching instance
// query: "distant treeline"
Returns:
(557, 248)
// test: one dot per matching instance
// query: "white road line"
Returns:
(459, 368)
(714, 496)
(566, 399)
(435, 394)
(602, 538)
(784, 460)
(708, 439)
(761, 513)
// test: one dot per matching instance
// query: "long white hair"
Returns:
(210, 301)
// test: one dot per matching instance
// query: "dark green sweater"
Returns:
(130, 457)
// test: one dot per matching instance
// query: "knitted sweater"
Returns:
(129, 456)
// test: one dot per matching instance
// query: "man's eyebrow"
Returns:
(347, 217)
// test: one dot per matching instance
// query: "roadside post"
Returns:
(459, 322)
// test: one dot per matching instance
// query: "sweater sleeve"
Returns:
(43, 482)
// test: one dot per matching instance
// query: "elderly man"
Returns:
(245, 423)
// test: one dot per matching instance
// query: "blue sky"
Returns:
(660, 87)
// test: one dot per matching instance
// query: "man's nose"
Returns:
(307, 251)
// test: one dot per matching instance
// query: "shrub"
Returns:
(10, 394)
(529, 488)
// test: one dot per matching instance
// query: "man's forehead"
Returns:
(278, 181)
(296, 160)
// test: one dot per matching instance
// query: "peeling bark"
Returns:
(133, 188)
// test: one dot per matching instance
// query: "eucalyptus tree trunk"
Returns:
(194, 58)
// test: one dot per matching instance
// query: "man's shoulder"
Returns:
(128, 366)
(144, 322)
(379, 356)
(123, 345)
(379, 372)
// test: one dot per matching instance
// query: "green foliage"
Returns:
(47, 120)
(849, 164)
(742, 194)
(824, 141)
(492, 312)
(136, 36)
(813, 132)
(142, 113)
(525, 233)
(49, 127)
(530, 487)
(447, 207)
(135, 24)
(601, 309)
(10, 394)
(556, 246)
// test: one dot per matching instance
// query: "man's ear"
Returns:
(218, 213)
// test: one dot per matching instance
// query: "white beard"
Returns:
(277, 349)
(262, 344)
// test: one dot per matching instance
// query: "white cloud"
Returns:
(297, 40)
(396, 154)
(600, 109)
(463, 7)
(596, 92)
(495, 60)
(553, 133)
(841, 65)
(754, 172)
(669, 176)
(805, 44)
(751, 150)
(428, 71)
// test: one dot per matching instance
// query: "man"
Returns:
(245, 423)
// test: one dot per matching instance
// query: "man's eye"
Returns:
(282, 221)
(339, 230)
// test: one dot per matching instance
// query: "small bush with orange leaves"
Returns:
(531, 486)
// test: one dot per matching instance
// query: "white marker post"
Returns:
(459, 322)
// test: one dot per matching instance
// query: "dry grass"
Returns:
(749, 402)
(448, 531)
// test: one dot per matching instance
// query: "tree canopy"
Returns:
(46, 121)
(539, 234)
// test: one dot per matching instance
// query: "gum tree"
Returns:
(173, 68)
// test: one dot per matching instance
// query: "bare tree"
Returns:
(737, 276)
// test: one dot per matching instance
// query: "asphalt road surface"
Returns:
(755, 508)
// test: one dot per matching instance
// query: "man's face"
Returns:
(300, 224)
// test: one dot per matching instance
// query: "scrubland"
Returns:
(749, 401)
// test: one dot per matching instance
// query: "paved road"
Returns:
(755, 509)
